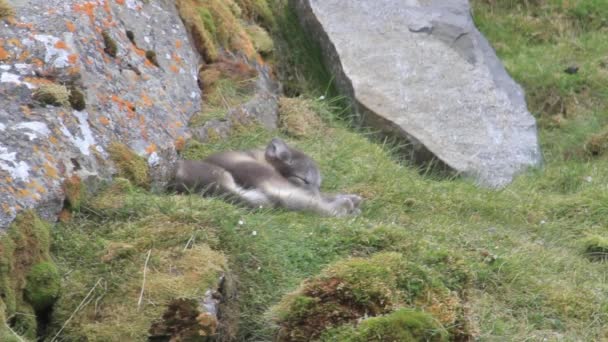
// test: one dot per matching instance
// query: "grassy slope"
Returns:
(523, 244)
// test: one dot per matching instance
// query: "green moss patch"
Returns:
(129, 164)
(262, 42)
(404, 325)
(43, 286)
(111, 48)
(24, 260)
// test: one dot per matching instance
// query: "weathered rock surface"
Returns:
(140, 91)
(422, 70)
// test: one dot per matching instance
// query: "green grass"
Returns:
(524, 245)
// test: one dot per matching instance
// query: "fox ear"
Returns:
(278, 149)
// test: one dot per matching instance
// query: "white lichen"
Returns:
(8, 77)
(58, 57)
(17, 169)
(86, 140)
(40, 129)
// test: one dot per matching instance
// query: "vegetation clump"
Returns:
(24, 262)
(74, 191)
(52, 94)
(77, 99)
(129, 164)
(297, 117)
(151, 56)
(262, 42)
(596, 248)
(5, 10)
(597, 145)
(111, 48)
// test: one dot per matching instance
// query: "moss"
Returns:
(52, 94)
(112, 197)
(151, 56)
(43, 286)
(297, 118)
(262, 42)
(196, 150)
(111, 48)
(344, 292)
(74, 191)
(404, 325)
(77, 99)
(131, 36)
(596, 248)
(25, 244)
(597, 144)
(129, 165)
(5, 10)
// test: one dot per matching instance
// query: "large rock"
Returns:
(422, 70)
(134, 64)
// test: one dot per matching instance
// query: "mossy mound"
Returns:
(403, 325)
(5, 10)
(597, 144)
(596, 248)
(74, 191)
(129, 164)
(349, 290)
(43, 286)
(106, 257)
(297, 117)
(112, 197)
(77, 99)
(262, 42)
(216, 24)
(52, 94)
(111, 48)
(24, 264)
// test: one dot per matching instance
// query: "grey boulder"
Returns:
(421, 70)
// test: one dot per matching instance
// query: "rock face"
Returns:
(136, 69)
(420, 69)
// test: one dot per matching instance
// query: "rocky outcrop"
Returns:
(76, 75)
(421, 70)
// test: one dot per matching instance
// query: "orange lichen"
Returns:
(65, 216)
(14, 42)
(24, 193)
(180, 143)
(87, 8)
(53, 140)
(37, 80)
(38, 62)
(174, 68)
(73, 58)
(26, 110)
(178, 44)
(50, 170)
(120, 2)
(61, 45)
(24, 55)
(176, 58)
(70, 25)
(4, 55)
(6, 208)
(151, 148)
(104, 120)
(146, 101)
